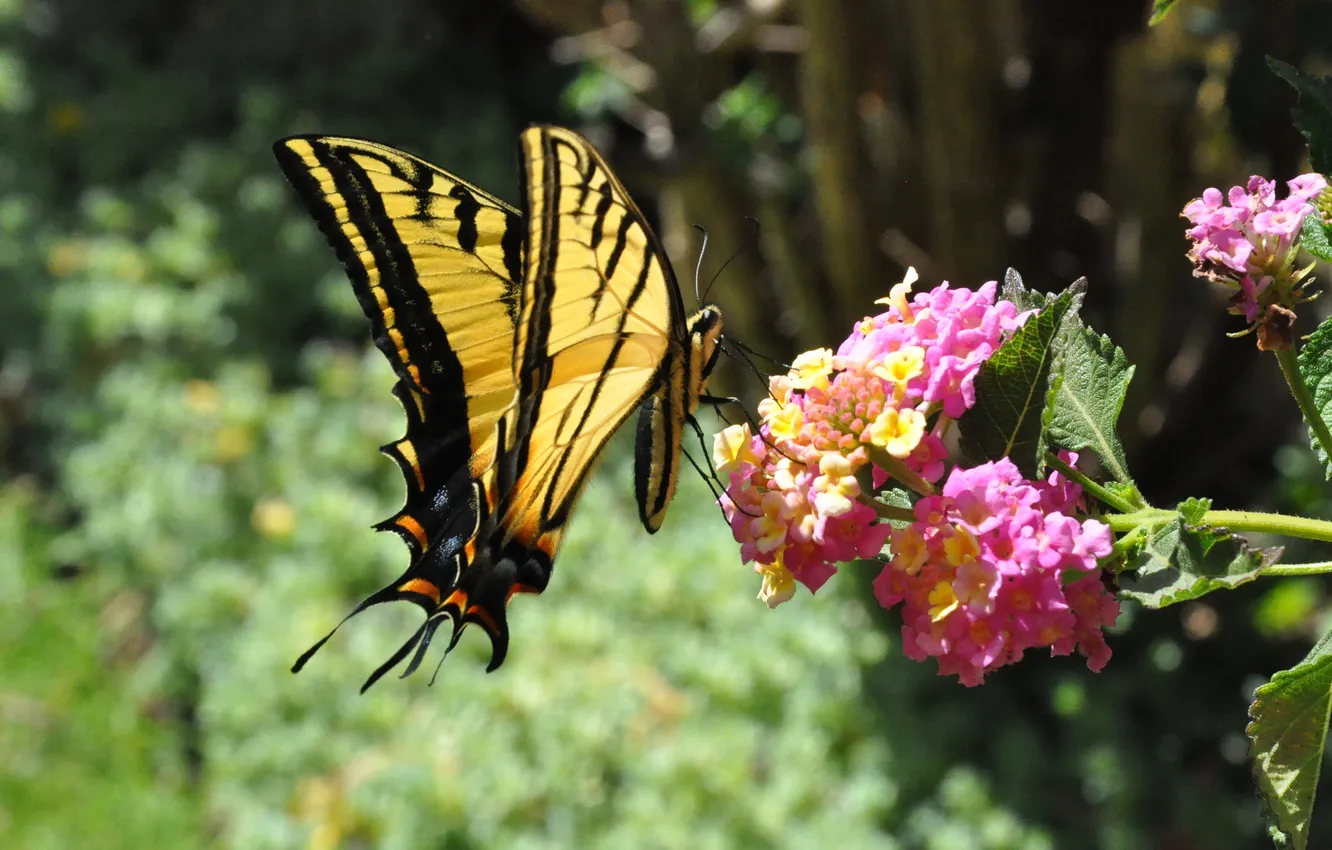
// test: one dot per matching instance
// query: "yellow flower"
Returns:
(778, 583)
(942, 601)
(779, 393)
(786, 423)
(769, 530)
(837, 488)
(733, 446)
(897, 296)
(897, 432)
(273, 518)
(961, 547)
(784, 473)
(900, 366)
(811, 369)
(909, 550)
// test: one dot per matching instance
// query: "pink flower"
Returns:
(983, 569)
(980, 573)
(1248, 242)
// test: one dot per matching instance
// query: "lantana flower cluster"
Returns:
(992, 565)
(1247, 240)
(996, 565)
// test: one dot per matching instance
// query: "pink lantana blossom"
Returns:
(992, 565)
(794, 489)
(1248, 242)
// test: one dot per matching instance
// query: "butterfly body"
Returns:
(521, 342)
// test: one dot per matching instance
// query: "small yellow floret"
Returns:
(769, 530)
(733, 446)
(897, 296)
(897, 432)
(811, 369)
(909, 551)
(778, 583)
(961, 547)
(779, 393)
(942, 601)
(785, 423)
(837, 488)
(900, 366)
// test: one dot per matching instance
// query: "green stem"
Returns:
(899, 470)
(1278, 524)
(1089, 485)
(1299, 569)
(1286, 526)
(1149, 517)
(1290, 367)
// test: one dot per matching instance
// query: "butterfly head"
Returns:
(705, 331)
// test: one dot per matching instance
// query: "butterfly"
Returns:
(521, 341)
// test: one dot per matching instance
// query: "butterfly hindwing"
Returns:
(433, 261)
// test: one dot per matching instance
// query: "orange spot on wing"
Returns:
(517, 589)
(484, 616)
(457, 599)
(408, 451)
(414, 529)
(421, 587)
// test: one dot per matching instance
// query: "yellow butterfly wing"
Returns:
(599, 329)
(434, 262)
(599, 317)
(511, 389)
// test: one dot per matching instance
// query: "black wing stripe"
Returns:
(465, 213)
(556, 516)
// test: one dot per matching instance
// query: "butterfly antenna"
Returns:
(753, 241)
(760, 355)
(753, 426)
(698, 267)
(712, 476)
(742, 355)
(708, 479)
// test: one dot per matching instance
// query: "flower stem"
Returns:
(1287, 526)
(1279, 524)
(1299, 569)
(899, 470)
(1089, 485)
(1290, 367)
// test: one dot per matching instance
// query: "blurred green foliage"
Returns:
(188, 413)
(190, 481)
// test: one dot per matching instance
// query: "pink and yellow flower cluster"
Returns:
(996, 565)
(1247, 240)
(981, 571)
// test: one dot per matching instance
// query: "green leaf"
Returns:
(1011, 389)
(1312, 113)
(1314, 237)
(1025, 299)
(1287, 736)
(1183, 561)
(1086, 400)
(1159, 10)
(897, 496)
(1128, 492)
(1315, 362)
(1192, 510)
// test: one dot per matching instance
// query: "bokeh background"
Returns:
(189, 410)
